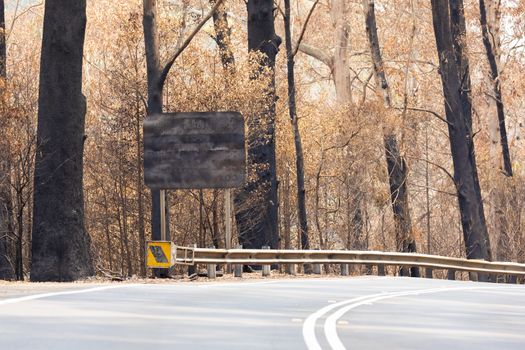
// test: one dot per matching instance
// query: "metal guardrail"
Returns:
(189, 256)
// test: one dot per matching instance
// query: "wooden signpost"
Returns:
(194, 150)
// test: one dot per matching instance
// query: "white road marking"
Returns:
(330, 325)
(309, 324)
(68, 292)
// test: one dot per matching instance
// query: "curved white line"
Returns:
(69, 292)
(309, 324)
(330, 326)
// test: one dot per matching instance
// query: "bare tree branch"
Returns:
(439, 167)
(171, 61)
(316, 53)
(435, 114)
(303, 30)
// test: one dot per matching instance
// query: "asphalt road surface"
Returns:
(345, 313)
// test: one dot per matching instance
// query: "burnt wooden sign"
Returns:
(194, 150)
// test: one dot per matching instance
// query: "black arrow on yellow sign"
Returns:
(159, 255)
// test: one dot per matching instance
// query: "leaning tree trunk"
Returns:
(397, 167)
(60, 244)
(256, 203)
(6, 270)
(449, 31)
(299, 157)
(490, 17)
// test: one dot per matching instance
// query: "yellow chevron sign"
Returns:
(159, 254)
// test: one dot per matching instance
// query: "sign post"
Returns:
(228, 222)
(162, 215)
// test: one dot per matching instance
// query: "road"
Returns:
(344, 313)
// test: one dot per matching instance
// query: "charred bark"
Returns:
(140, 189)
(60, 244)
(292, 108)
(3, 49)
(6, 217)
(153, 68)
(223, 37)
(448, 21)
(396, 164)
(256, 203)
(489, 19)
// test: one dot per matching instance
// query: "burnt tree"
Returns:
(449, 30)
(60, 244)
(223, 37)
(292, 109)
(490, 17)
(154, 106)
(396, 164)
(256, 203)
(6, 207)
(157, 72)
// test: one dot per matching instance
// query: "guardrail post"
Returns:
(237, 271)
(192, 269)
(428, 272)
(380, 270)
(344, 270)
(212, 272)
(317, 269)
(212, 269)
(451, 274)
(291, 269)
(266, 268)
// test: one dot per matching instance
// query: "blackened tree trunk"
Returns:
(6, 270)
(153, 67)
(490, 18)
(156, 76)
(396, 164)
(256, 203)
(223, 40)
(449, 32)
(140, 188)
(3, 50)
(223, 37)
(60, 244)
(299, 157)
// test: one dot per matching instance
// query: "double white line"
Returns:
(341, 308)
